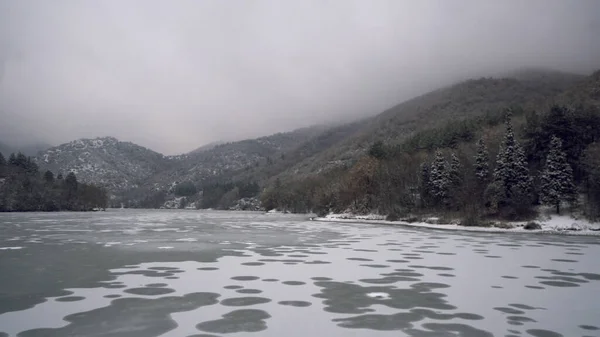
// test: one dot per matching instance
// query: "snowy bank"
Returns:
(555, 224)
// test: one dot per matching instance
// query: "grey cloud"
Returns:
(172, 75)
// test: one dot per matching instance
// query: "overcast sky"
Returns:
(173, 75)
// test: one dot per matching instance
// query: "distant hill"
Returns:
(107, 162)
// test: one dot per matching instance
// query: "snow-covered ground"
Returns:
(559, 224)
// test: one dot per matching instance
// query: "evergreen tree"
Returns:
(49, 177)
(439, 179)
(482, 162)
(455, 171)
(2, 160)
(12, 159)
(557, 177)
(425, 186)
(59, 176)
(511, 176)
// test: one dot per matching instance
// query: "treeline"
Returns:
(24, 188)
(477, 170)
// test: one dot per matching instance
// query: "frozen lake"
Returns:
(205, 273)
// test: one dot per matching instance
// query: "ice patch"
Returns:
(187, 240)
(165, 247)
(10, 248)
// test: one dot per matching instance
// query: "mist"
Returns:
(174, 75)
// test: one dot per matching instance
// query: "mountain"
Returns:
(135, 173)
(107, 162)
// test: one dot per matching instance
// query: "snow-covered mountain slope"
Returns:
(106, 162)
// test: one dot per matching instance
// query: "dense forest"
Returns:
(498, 165)
(24, 188)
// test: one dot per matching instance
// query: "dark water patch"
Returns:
(397, 261)
(414, 258)
(509, 245)
(136, 317)
(589, 327)
(396, 249)
(164, 268)
(590, 276)
(171, 277)
(446, 275)
(531, 267)
(358, 259)
(563, 260)
(317, 262)
(411, 254)
(297, 255)
(365, 250)
(253, 264)
(534, 287)
(249, 291)
(562, 278)
(509, 277)
(320, 278)
(293, 263)
(508, 310)
(444, 253)
(244, 301)
(543, 333)
(573, 253)
(157, 285)
(208, 268)
(270, 280)
(521, 319)
(524, 306)
(561, 284)
(403, 273)
(70, 299)
(493, 256)
(375, 265)
(233, 287)
(245, 278)
(202, 335)
(112, 296)
(497, 287)
(245, 320)
(113, 286)
(423, 251)
(149, 291)
(345, 298)
(299, 304)
(432, 268)
(293, 283)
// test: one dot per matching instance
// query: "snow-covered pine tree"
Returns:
(439, 179)
(482, 162)
(557, 177)
(511, 175)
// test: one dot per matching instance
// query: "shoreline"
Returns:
(454, 227)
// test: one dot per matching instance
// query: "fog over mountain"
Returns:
(172, 76)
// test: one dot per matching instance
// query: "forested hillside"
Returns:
(496, 163)
(24, 188)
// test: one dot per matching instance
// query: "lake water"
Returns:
(205, 273)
